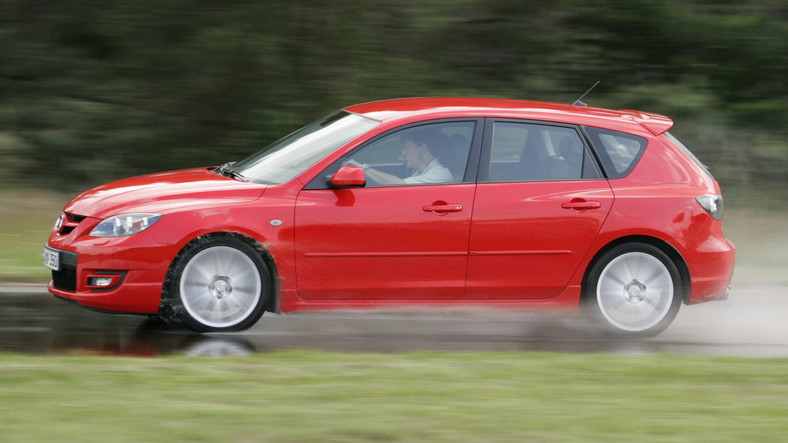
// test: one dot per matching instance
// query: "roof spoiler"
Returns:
(655, 123)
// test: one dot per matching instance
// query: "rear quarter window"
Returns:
(618, 152)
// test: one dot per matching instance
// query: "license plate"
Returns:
(51, 259)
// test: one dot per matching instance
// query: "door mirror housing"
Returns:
(349, 176)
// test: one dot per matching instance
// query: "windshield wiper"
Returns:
(227, 172)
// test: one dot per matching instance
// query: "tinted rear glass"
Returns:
(619, 152)
(532, 152)
(687, 151)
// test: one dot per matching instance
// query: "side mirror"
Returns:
(349, 176)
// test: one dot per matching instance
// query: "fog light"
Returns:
(105, 280)
(100, 281)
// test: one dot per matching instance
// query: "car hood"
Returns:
(163, 192)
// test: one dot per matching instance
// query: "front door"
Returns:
(404, 236)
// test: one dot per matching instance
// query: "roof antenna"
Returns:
(578, 102)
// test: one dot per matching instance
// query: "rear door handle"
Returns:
(443, 208)
(581, 205)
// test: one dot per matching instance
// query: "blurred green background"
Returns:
(96, 90)
(92, 91)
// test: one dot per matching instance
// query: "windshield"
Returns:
(288, 157)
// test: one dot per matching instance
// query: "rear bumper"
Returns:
(711, 269)
(725, 295)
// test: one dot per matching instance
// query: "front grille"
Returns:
(69, 222)
(66, 278)
(76, 218)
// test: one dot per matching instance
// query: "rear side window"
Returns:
(619, 152)
(533, 152)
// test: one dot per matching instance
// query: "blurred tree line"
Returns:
(92, 90)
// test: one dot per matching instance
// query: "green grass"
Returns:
(312, 396)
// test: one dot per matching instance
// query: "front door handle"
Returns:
(578, 204)
(441, 208)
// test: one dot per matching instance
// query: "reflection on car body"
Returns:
(535, 204)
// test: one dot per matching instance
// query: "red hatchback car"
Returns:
(422, 201)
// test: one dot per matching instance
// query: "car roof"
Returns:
(423, 108)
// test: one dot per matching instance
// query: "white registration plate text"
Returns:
(51, 259)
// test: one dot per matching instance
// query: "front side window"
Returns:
(533, 152)
(288, 157)
(434, 153)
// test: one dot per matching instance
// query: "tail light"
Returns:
(711, 203)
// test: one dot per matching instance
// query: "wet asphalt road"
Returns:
(752, 323)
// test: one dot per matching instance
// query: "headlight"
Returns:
(124, 225)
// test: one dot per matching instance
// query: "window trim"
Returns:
(486, 157)
(322, 180)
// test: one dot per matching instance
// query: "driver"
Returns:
(417, 156)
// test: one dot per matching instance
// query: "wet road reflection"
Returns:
(750, 324)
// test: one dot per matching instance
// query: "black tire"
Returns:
(633, 290)
(218, 284)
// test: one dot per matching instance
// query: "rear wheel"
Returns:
(219, 284)
(634, 289)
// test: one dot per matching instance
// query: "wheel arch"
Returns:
(665, 247)
(271, 304)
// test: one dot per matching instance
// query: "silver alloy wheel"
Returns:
(635, 291)
(220, 286)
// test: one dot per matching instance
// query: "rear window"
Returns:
(688, 152)
(619, 152)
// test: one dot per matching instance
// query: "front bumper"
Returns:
(135, 286)
(130, 299)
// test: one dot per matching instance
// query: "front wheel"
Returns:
(219, 284)
(633, 290)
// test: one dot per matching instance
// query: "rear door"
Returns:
(539, 204)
